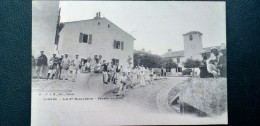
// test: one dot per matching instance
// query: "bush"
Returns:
(186, 72)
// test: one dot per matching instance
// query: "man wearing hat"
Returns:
(59, 67)
(203, 66)
(41, 61)
(76, 63)
(213, 61)
(222, 64)
(65, 63)
(123, 83)
(52, 66)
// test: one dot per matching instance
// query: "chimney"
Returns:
(169, 50)
(98, 14)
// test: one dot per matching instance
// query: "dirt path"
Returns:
(153, 98)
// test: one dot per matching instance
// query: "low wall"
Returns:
(207, 95)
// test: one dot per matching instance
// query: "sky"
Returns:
(156, 25)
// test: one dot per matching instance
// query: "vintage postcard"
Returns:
(128, 63)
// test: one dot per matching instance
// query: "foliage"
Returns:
(147, 60)
(152, 61)
(191, 63)
(186, 72)
(168, 63)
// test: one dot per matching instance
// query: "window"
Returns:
(85, 38)
(191, 37)
(108, 26)
(178, 60)
(116, 44)
(98, 23)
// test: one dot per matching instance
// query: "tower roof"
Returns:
(192, 32)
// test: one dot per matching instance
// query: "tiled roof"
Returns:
(174, 54)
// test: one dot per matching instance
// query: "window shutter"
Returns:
(114, 45)
(90, 39)
(80, 37)
(122, 45)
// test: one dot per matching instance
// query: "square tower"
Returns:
(192, 44)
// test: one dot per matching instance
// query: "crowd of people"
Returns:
(215, 65)
(58, 67)
(62, 67)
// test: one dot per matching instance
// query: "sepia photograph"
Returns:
(128, 63)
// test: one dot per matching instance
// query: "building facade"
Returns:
(192, 48)
(192, 44)
(97, 36)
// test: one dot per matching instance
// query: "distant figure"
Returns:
(87, 66)
(213, 61)
(142, 78)
(41, 62)
(123, 84)
(203, 66)
(76, 66)
(105, 76)
(65, 63)
(52, 66)
(59, 67)
(117, 71)
(222, 64)
(151, 76)
(97, 68)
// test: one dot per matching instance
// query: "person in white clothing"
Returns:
(75, 63)
(65, 63)
(123, 83)
(213, 61)
(142, 78)
(151, 76)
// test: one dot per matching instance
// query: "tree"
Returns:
(191, 63)
(147, 59)
(168, 63)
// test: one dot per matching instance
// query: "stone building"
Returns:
(192, 49)
(97, 36)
